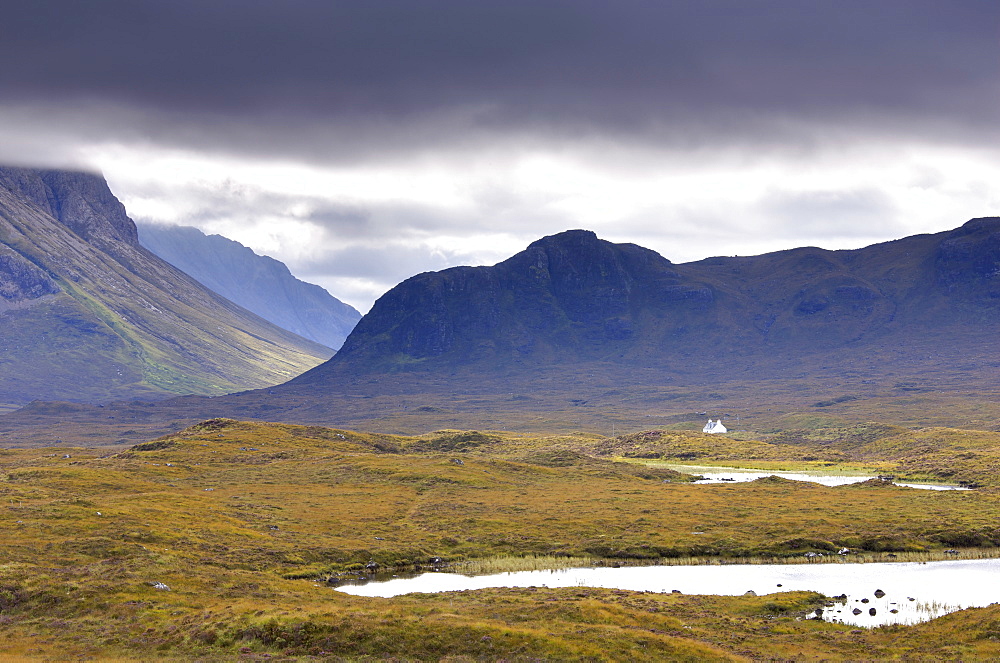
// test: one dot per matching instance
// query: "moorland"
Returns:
(225, 541)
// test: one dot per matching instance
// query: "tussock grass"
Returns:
(243, 521)
(511, 564)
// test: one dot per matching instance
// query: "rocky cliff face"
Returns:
(88, 314)
(572, 298)
(21, 281)
(80, 201)
(257, 283)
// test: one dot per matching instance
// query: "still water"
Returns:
(715, 474)
(916, 591)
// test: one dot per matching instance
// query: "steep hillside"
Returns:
(257, 283)
(575, 299)
(87, 314)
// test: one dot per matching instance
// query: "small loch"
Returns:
(874, 594)
(715, 474)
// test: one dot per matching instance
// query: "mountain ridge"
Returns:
(90, 315)
(572, 295)
(576, 333)
(257, 283)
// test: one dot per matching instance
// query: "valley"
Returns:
(179, 476)
(385, 332)
(444, 350)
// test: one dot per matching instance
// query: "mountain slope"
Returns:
(87, 314)
(257, 283)
(579, 334)
(574, 299)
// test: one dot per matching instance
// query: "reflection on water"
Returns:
(715, 474)
(870, 594)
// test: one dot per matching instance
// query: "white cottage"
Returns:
(714, 427)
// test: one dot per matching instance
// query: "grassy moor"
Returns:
(224, 541)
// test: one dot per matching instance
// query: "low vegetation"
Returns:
(217, 543)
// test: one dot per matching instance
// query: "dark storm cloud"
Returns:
(250, 75)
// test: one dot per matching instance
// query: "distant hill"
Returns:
(574, 299)
(257, 283)
(87, 314)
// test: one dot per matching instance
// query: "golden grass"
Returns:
(512, 563)
(244, 521)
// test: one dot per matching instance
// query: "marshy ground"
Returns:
(243, 522)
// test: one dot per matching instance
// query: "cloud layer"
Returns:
(364, 141)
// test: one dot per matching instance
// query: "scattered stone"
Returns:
(750, 593)
(458, 461)
(273, 527)
(160, 586)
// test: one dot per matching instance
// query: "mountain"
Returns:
(257, 283)
(573, 298)
(87, 314)
(579, 334)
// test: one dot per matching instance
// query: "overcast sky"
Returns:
(362, 142)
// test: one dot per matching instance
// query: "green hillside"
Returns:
(89, 315)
